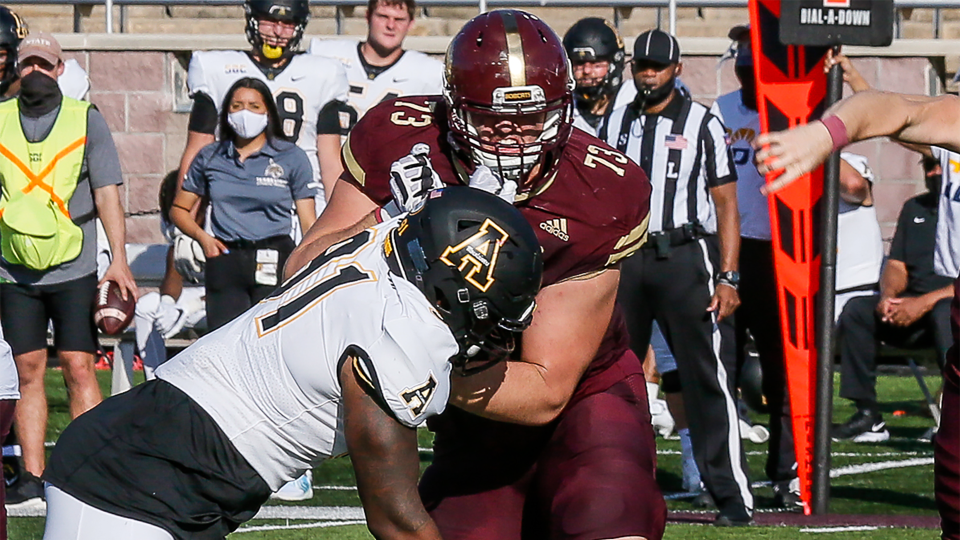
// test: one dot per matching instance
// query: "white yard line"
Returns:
(839, 529)
(315, 525)
(883, 465)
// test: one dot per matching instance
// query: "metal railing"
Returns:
(619, 7)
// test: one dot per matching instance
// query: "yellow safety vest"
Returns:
(38, 180)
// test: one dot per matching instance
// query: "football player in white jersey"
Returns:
(350, 355)
(596, 52)
(309, 89)
(378, 68)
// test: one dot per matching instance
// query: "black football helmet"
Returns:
(478, 262)
(594, 40)
(12, 30)
(292, 11)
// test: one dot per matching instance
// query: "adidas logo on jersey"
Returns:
(556, 227)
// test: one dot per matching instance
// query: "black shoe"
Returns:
(26, 493)
(724, 520)
(786, 495)
(863, 427)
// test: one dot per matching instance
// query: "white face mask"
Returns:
(247, 124)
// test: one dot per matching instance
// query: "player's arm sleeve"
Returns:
(360, 167)
(102, 159)
(302, 185)
(407, 371)
(718, 158)
(203, 115)
(328, 121)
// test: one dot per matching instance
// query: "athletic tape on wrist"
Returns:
(838, 131)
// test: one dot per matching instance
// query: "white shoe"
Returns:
(300, 489)
(661, 418)
(756, 434)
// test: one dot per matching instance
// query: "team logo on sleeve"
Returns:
(418, 397)
(476, 257)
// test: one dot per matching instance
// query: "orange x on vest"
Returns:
(36, 180)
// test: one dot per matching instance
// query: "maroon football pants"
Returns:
(946, 450)
(589, 475)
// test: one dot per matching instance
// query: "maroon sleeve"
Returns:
(385, 134)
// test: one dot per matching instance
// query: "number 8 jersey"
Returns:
(270, 378)
(302, 89)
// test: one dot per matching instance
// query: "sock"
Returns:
(653, 390)
(691, 474)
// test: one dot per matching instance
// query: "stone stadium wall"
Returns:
(138, 83)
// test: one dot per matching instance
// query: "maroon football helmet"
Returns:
(509, 93)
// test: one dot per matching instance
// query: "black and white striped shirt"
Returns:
(684, 152)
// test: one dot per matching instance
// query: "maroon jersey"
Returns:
(592, 213)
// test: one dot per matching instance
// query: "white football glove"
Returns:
(170, 317)
(487, 180)
(188, 258)
(412, 178)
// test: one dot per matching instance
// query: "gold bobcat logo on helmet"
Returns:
(476, 257)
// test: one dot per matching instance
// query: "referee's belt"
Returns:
(274, 242)
(676, 237)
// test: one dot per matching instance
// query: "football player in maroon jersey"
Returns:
(556, 443)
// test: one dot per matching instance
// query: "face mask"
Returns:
(651, 97)
(39, 94)
(749, 85)
(247, 124)
(934, 181)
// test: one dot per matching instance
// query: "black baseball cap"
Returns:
(657, 46)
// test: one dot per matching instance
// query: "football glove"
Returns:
(188, 258)
(487, 180)
(412, 178)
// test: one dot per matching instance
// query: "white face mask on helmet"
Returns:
(247, 124)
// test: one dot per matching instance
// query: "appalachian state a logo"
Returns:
(476, 257)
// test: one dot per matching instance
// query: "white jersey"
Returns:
(946, 258)
(743, 125)
(9, 379)
(270, 378)
(413, 74)
(73, 82)
(302, 89)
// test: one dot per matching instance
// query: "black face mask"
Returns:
(39, 94)
(651, 97)
(749, 85)
(934, 182)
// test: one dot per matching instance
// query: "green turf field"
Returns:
(901, 485)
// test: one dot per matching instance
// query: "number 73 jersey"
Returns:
(302, 89)
(589, 214)
(270, 378)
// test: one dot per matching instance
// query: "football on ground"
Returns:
(111, 313)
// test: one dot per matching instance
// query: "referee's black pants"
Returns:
(759, 313)
(861, 329)
(676, 291)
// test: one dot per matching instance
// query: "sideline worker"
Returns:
(59, 171)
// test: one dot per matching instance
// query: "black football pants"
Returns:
(676, 292)
(759, 313)
(861, 329)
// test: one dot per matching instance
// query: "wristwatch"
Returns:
(731, 279)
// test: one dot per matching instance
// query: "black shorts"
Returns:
(154, 455)
(26, 309)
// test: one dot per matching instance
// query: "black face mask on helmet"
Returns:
(39, 94)
(296, 12)
(478, 263)
(595, 40)
(12, 31)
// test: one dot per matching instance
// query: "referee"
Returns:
(686, 277)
